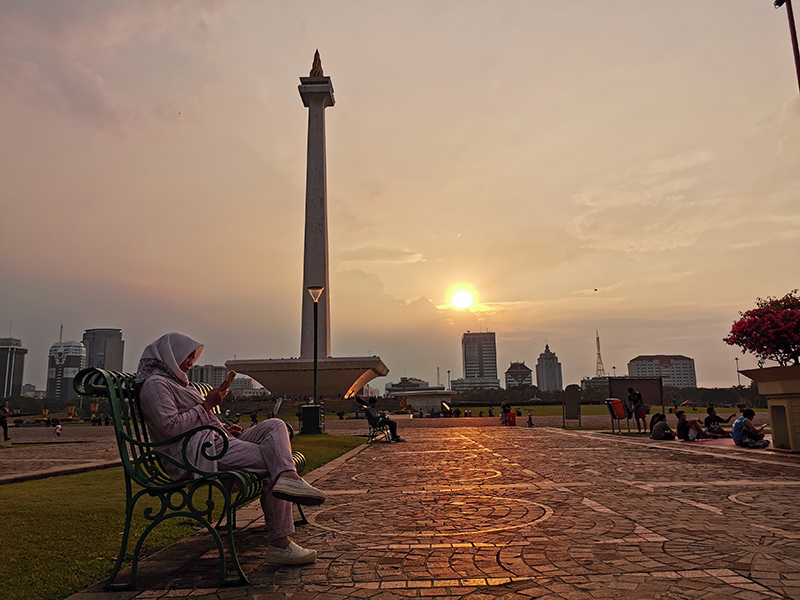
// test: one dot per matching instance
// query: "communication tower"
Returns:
(600, 371)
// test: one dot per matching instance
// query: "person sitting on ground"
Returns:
(639, 411)
(690, 430)
(172, 406)
(713, 422)
(746, 434)
(376, 420)
(660, 430)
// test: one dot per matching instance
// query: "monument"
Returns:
(294, 376)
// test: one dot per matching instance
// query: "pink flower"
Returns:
(771, 331)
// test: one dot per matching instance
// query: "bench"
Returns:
(375, 430)
(145, 476)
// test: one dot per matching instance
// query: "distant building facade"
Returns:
(548, 371)
(211, 374)
(29, 391)
(594, 382)
(64, 362)
(12, 365)
(479, 351)
(518, 375)
(675, 370)
(242, 385)
(407, 384)
(105, 348)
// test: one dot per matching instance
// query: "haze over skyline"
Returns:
(627, 167)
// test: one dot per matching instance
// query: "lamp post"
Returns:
(316, 291)
(738, 375)
(615, 371)
(792, 33)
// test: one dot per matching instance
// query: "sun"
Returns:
(462, 299)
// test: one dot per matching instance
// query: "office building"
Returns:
(64, 362)
(12, 365)
(479, 352)
(104, 348)
(548, 371)
(211, 374)
(675, 370)
(518, 375)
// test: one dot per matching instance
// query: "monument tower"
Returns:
(316, 90)
(338, 376)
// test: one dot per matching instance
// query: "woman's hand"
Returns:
(235, 429)
(217, 395)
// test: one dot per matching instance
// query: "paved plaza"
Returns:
(468, 509)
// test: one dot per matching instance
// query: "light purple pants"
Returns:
(266, 450)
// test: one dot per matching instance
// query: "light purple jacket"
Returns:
(171, 409)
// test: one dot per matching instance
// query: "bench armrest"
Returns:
(150, 453)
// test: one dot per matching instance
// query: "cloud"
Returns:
(744, 187)
(54, 53)
(379, 254)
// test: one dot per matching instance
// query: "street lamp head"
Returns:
(779, 3)
(316, 292)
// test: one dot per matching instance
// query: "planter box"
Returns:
(781, 386)
(399, 417)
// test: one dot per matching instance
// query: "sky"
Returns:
(626, 167)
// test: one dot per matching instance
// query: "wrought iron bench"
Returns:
(142, 462)
(376, 430)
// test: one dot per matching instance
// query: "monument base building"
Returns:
(338, 377)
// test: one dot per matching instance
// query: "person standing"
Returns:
(5, 413)
(639, 412)
(505, 409)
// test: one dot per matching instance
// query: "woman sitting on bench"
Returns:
(172, 406)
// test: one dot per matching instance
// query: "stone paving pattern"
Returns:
(492, 512)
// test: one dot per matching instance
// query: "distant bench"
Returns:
(142, 462)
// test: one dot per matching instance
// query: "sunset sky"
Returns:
(623, 166)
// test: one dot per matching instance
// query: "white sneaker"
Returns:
(297, 490)
(291, 555)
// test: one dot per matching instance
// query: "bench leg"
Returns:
(303, 520)
(126, 532)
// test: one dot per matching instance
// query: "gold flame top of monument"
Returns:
(316, 66)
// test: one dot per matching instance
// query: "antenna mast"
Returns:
(600, 371)
(61, 333)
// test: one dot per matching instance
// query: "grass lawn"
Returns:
(60, 535)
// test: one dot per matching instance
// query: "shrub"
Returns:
(771, 331)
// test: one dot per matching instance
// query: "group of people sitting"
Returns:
(744, 432)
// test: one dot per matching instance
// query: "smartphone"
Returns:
(229, 379)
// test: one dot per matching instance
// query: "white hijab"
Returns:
(172, 349)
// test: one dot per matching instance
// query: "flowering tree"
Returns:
(771, 331)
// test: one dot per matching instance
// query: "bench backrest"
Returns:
(139, 458)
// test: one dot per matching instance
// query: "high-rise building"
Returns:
(65, 360)
(548, 371)
(518, 375)
(12, 364)
(480, 361)
(104, 348)
(211, 374)
(675, 370)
